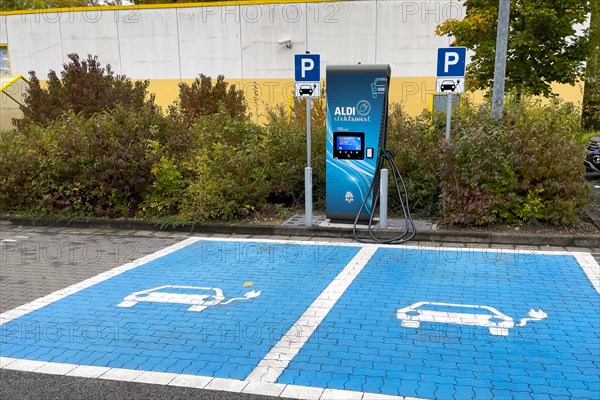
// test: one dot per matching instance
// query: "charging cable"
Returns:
(409, 229)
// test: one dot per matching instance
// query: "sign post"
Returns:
(308, 85)
(451, 63)
(448, 115)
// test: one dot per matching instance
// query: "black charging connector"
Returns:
(387, 156)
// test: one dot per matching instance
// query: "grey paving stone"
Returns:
(50, 259)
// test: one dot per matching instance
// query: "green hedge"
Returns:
(116, 154)
(93, 166)
(527, 168)
(415, 141)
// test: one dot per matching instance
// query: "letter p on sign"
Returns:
(450, 58)
(307, 67)
(451, 61)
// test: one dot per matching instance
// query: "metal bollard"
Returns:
(383, 200)
(308, 196)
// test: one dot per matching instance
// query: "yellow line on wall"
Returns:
(13, 80)
(159, 6)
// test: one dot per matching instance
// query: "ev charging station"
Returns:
(357, 103)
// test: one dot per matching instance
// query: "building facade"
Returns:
(251, 43)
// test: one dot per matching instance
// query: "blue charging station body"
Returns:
(357, 100)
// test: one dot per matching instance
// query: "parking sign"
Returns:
(308, 75)
(451, 63)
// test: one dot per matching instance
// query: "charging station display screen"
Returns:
(349, 145)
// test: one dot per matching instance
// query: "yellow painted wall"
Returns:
(414, 93)
(12, 91)
(8, 110)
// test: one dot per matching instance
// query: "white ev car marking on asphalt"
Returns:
(198, 302)
(498, 323)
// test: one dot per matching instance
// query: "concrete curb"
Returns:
(592, 242)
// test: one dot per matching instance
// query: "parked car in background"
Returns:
(592, 160)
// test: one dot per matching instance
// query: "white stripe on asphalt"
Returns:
(277, 360)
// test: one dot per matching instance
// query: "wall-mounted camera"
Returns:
(285, 42)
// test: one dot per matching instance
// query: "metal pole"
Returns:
(448, 115)
(308, 205)
(308, 133)
(500, 65)
(383, 199)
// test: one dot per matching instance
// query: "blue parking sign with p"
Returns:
(307, 67)
(451, 61)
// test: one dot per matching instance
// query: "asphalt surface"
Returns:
(36, 261)
(17, 385)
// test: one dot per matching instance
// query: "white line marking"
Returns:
(227, 385)
(121, 374)
(301, 392)
(62, 293)
(264, 388)
(590, 266)
(334, 394)
(192, 381)
(5, 361)
(56, 369)
(398, 246)
(88, 371)
(157, 378)
(25, 365)
(273, 364)
(282, 241)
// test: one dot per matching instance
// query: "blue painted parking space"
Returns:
(213, 308)
(460, 325)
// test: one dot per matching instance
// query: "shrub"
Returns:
(415, 143)
(201, 98)
(287, 127)
(20, 160)
(85, 88)
(526, 168)
(91, 166)
(240, 167)
(163, 197)
(229, 170)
